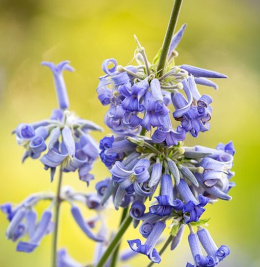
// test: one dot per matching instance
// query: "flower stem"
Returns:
(114, 257)
(166, 244)
(168, 36)
(56, 221)
(115, 241)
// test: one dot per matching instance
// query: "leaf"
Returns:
(200, 222)
(157, 56)
(175, 229)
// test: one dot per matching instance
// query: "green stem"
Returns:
(56, 220)
(166, 244)
(168, 36)
(114, 257)
(143, 131)
(115, 241)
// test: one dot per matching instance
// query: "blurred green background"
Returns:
(221, 35)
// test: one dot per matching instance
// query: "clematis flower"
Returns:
(148, 248)
(193, 208)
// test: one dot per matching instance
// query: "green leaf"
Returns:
(175, 229)
(157, 56)
(200, 222)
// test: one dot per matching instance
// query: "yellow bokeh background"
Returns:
(221, 35)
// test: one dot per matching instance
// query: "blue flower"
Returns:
(218, 254)
(166, 203)
(199, 259)
(76, 213)
(148, 248)
(193, 208)
(23, 220)
(41, 230)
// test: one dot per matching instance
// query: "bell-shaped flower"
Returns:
(166, 203)
(132, 101)
(218, 254)
(193, 208)
(125, 178)
(148, 248)
(167, 134)
(155, 112)
(41, 230)
(76, 213)
(199, 259)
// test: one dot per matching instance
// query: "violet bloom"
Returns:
(194, 118)
(167, 134)
(107, 156)
(41, 229)
(148, 248)
(128, 179)
(23, 220)
(132, 101)
(218, 254)
(155, 112)
(193, 208)
(199, 259)
(166, 203)
(70, 145)
(78, 217)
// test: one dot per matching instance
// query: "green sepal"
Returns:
(175, 229)
(157, 57)
(200, 222)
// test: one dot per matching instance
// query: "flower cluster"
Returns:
(23, 217)
(138, 97)
(188, 177)
(182, 179)
(69, 143)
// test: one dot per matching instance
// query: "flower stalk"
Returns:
(56, 220)
(165, 246)
(168, 36)
(115, 241)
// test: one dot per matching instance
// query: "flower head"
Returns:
(69, 143)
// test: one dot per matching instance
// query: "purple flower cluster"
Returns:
(214, 254)
(69, 143)
(188, 177)
(23, 217)
(138, 98)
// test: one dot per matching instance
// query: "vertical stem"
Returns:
(56, 221)
(166, 244)
(168, 36)
(115, 241)
(114, 257)
(143, 131)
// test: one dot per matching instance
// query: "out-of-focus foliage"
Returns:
(221, 35)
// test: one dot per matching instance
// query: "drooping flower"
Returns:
(23, 221)
(148, 248)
